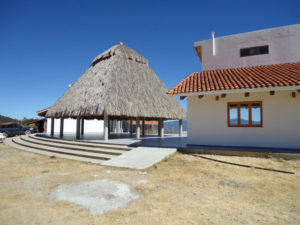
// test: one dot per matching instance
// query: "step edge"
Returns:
(72, 148)
(58, 155)
(61, 152)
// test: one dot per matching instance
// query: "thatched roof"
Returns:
(121, 84)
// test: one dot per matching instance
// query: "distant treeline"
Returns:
(24, 121)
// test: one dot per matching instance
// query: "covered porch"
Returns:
(136, 132)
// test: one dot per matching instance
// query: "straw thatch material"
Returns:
(121, 84)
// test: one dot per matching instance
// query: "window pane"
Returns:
(256, 114)
(244, 114)
(233, 115)
(258, 50)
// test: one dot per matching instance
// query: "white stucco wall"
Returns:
(284, 47)
(207, 121)
(90, 126)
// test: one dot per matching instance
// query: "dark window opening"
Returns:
(259, 50)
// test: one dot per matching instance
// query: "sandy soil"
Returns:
(183, 189)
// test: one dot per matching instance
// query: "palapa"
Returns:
(120, 84)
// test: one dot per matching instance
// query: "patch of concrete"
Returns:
(140, 157)
(99, 196)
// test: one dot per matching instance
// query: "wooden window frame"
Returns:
(249, 103)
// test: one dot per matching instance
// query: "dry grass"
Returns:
(180, 190)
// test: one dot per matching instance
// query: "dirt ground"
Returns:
(182, 189)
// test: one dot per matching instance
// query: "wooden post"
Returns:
(52, 126)
(180, 128)
(105, 128)
(45, 125)
(131, 128)
(138, 128)
(143, 127)
(162, 129)
(82, 126)
(78, 128)
(61, 133)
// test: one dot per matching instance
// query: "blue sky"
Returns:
(46, 45)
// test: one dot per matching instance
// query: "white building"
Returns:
(277, 45)
(248, 93)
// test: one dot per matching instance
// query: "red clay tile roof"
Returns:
(240, 78)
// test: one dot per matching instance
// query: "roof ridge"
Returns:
(120, 50)
(274, 64)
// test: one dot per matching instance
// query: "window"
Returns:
(245, 114)
(259, 50)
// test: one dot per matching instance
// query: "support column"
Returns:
(131, 128)
(82, 126)
(180, 128)
(138, 128)
(161, 128)
(52, 126)
(78, 128)
(45, 125)
(118, 126)
(114, 127)
(61, 133)
(108, 126)
(105, 128)
(143, 127)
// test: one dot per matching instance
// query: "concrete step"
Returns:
(81, 143)
(92, 155)
(9, 142)
(87, 148)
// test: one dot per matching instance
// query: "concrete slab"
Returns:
(140, 157)
(99, 196)
(169, 140)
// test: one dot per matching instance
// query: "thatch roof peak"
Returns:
(121, 84)
(120, 50)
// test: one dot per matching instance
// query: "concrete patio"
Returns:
(169, 140)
